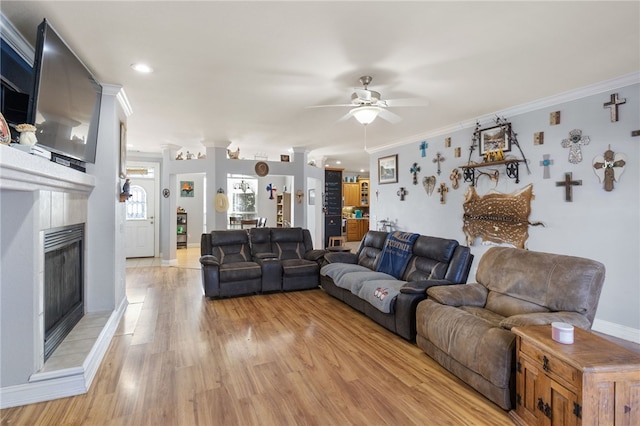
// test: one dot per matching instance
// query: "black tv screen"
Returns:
(65, 106)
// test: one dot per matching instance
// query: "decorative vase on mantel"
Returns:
(27, 134)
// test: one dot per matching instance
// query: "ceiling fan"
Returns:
(367, 104)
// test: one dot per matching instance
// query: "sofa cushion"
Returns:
(299, 267)
(558, 282)
(240, 271)
(232, 253)
(370, 248)
(485, 314)
(260, 240)
(336, 270)
(381, 293)
(469, 339)
(506, 305)
(543, 318)
(353, 281)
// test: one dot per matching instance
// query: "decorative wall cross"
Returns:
(546, 162)
(609, 167)
(423, 148)
(568, 184)
(271, 189)
(455, 177)
(414, 171)
(443, 191)
(613, 106)
(402, 192)
(573, 142)
(439, 158)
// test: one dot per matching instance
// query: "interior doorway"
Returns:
(142, 223)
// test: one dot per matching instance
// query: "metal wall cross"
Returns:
(402, 192)
(613, 106)
(546, 162)
(423, 148)
(568, 184)
(271, 189)
(574, 142)
(439, 158)
(414, 170)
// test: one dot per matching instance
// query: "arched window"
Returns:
(137, 203)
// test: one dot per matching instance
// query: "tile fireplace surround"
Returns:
(36, 195)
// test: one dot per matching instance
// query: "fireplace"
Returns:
(63, 283)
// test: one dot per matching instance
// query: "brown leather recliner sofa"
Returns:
(466, 328)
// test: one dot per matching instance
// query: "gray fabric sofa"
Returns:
(466, 328)
(388, 299)
(258, 260)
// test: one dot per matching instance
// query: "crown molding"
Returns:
(572, 95)
(17, 42)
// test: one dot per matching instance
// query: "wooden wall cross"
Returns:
(439, 158)
(443, 191)
(609, 167)
(613, 106)
(574, 142)
(271, 189)
(423, 148)
(546, 162)
(402, 192)
(414, 171)
(568, 184)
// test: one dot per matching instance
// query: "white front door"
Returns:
(140, 219)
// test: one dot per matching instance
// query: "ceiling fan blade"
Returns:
(406, 102)
(345, 117)
(392, 118)
(328, 106)
(363, 94)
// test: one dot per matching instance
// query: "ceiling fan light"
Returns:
(365, 114)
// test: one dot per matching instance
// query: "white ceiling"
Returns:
(244, 72)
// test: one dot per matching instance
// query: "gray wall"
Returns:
(600, 225)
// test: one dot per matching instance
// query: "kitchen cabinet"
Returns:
(351, 193)
(356, 228)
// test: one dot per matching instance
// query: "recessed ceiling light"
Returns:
(361, 170)
(338, 162)
(143, 68)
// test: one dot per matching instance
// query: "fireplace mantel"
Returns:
(25, 172)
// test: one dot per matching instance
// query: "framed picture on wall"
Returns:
(494, 138)
(388, 169)
(186, 188)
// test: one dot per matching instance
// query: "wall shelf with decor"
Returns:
(492, 143)
(181, 231)
(512, 169)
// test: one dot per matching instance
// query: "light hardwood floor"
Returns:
(289, 358)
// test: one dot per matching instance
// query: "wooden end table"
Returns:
(590, 382)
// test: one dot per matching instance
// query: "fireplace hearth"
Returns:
(63, 283)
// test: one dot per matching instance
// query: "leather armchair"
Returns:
(466, 328)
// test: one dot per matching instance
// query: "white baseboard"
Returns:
(168, 263)
(616, 330)
(68, 382)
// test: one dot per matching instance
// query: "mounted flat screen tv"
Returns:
(65, 102)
